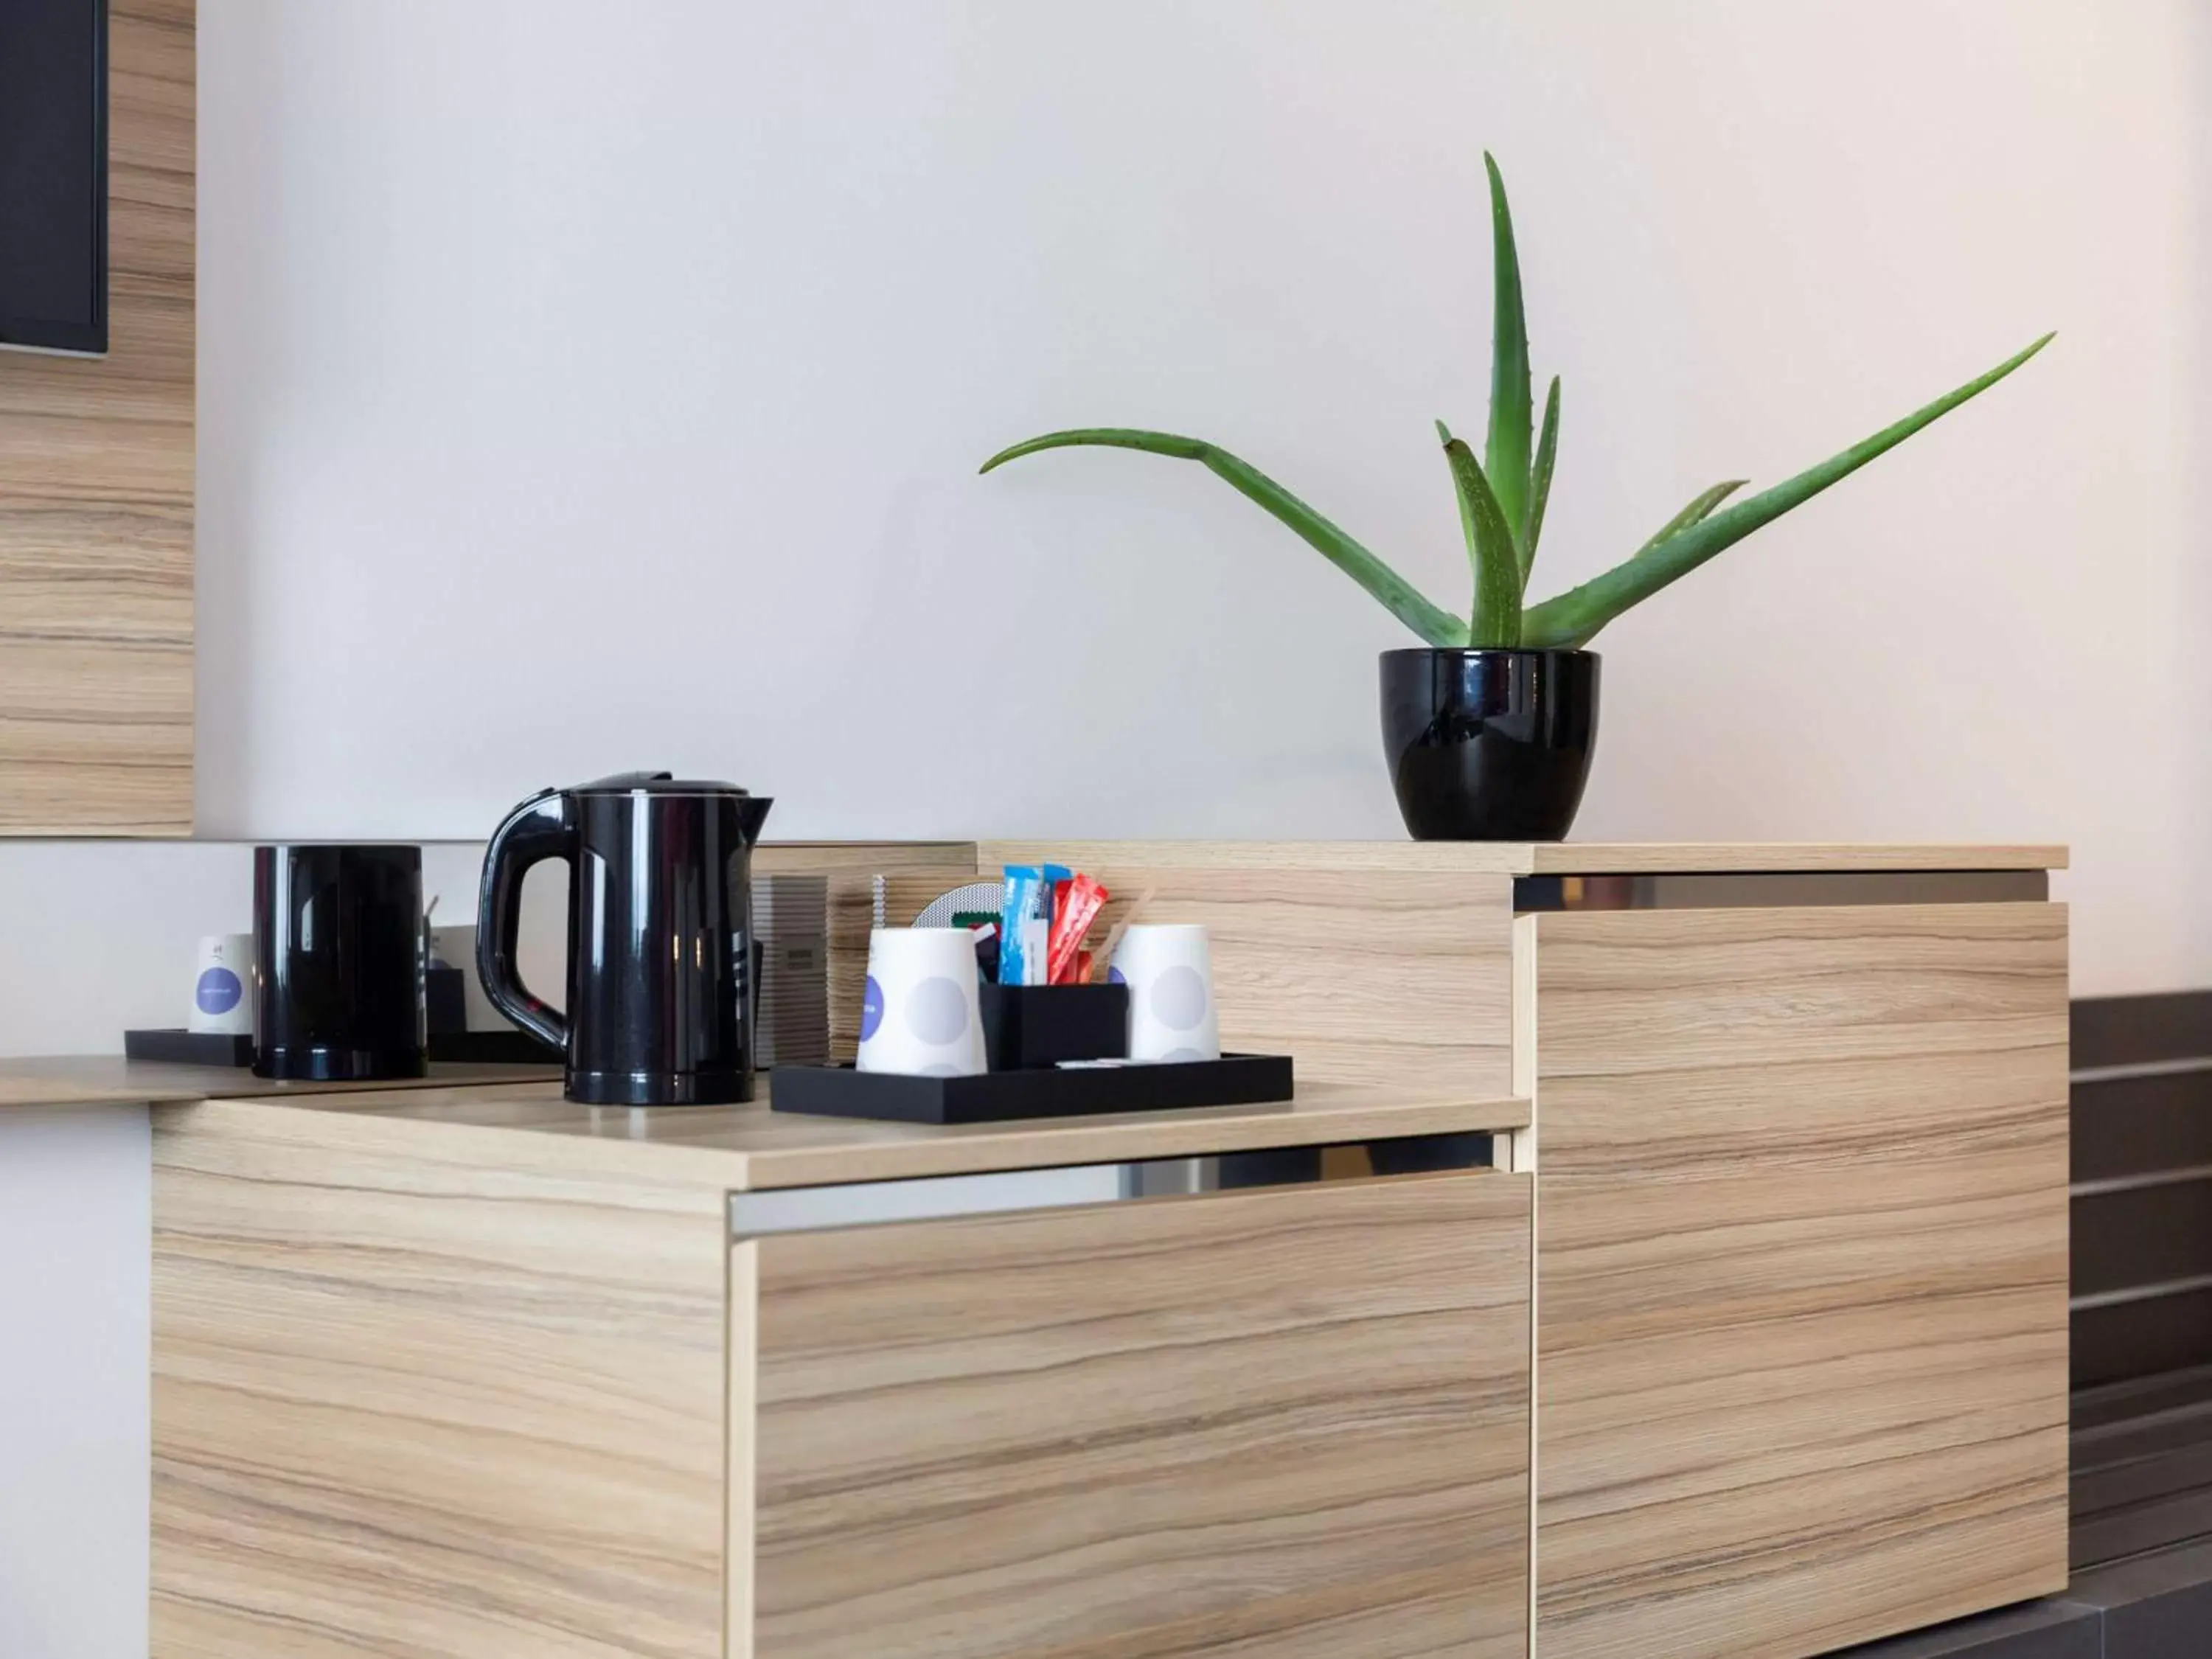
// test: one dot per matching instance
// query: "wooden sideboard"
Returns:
(1741, 1333)
(476, 1372)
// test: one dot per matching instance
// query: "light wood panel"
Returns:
(96, 492)
(1288, 1423)
(826, 858)
(1801, 1274)
(1561, 858)
(531, 1127)
(1398, 977)
(413, 1402)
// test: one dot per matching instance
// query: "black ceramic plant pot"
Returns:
(1489, 746)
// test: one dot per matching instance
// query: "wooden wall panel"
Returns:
(96, 461)
(1801, 1274)
(417, 1403)
(1060, 1435)
(1365, 972)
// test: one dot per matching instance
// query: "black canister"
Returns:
(338, 957)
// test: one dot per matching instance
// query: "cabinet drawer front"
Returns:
(1802, 1275)
(1291, 1422)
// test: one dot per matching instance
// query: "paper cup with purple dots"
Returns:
(1170, 972)
(222, 986)
(918, 1011)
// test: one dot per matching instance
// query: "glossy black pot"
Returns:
(1489, 746)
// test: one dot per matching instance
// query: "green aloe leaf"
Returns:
(1540, 483)
(1467, 531)
(1571, 618)
(1505, 456)
(1400, 597)
(1700, 509)
(1497, 620)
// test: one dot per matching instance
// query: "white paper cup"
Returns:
(919, 1012)
(222, 986)
(1170, 972)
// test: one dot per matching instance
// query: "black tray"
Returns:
(510, 1048)
(180, 1046)
(994, 1096)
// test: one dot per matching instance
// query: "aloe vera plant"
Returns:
(1502, 495)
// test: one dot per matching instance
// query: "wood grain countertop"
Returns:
(1560, 858)
(112, 1080)
(530, 1128)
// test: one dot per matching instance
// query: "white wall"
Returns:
(75, 1438)
(586, 385)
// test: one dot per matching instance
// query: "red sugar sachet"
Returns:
(1076, 903)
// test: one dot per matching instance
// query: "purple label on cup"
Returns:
(218, 991)
(872, 1008)
(1114, 976)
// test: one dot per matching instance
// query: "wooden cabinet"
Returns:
(479, 1374)
(1767, 1337)
(1291, 1422)
(1801, 1274)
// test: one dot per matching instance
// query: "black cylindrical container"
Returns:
(1488, 744)
(337, 957)
(659, 1009)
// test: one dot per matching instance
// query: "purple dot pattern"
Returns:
(1179, 998)
(937, 1011)
(218, 991)
(872, 1009)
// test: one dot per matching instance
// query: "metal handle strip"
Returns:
(944, 1198)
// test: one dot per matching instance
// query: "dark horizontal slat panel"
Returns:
(2146, 1236)
(2137, 1031)
(2117, 1407)
(2141, 1338)
(2156, 1525)
(2163, 1462)
(2140, 1125)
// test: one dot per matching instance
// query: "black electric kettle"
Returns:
(659, 935)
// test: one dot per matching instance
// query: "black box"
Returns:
(512, 1046)
(1026, 1026)
(180, 1046)
(1047, 1091)
(445, 1000)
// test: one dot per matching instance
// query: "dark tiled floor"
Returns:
(2037, 1630)
(2157, 1605)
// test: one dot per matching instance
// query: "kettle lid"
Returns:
(652, 783)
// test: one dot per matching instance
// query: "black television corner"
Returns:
(53, 174)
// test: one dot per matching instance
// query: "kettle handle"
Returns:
(540, 829)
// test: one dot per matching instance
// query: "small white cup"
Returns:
(222, 986)
(919, 1012)
(1170, 972)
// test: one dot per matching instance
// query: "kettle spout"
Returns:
(752, 812)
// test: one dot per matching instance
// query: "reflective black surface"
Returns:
(337, 959)
(659, 932)
(1489, 746)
